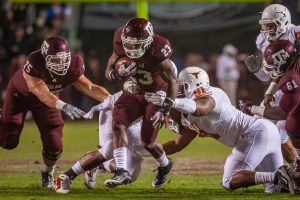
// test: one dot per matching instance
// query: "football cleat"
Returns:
(62, 184)
(121, 177)
(47, 179)
(90, 178)
(283, 178)
(162, 174)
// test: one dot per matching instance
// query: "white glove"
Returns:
(131, 86)
(72, 111)
(128, 71)
(159, 119)
(105, 104)
(157, 98)
(253, 63)
(172, 125)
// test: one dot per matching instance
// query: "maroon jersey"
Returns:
(35, 66)
(289, 84)
(147, 76)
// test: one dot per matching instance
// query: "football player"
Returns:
(36, 87)
(153, 72)
(275, 25)
(103, 158)
(207, 110)
(281, 58)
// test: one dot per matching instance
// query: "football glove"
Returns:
(128, 71)
(72, 111)
(252, 62)
(245, 107)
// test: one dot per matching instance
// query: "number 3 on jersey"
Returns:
(146, 79)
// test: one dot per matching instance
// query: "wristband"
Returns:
(272, 89)
(167, 105)
(59, 104)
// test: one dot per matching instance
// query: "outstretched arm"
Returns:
(182, 140)
(90, 89)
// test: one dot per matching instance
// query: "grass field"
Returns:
(196, 175)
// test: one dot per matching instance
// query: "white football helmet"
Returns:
(193, 83)
(274, 21)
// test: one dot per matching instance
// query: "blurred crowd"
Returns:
(24, 26)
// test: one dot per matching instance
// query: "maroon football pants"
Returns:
(48, 120)
(130, 107)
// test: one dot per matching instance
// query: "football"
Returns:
(121, 61)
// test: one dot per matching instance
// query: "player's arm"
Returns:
(273, 113)
(90, 89)
(168, 74)
(39, 88)
(181, 140)
(110, 72)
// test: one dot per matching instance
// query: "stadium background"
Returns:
(197, 31)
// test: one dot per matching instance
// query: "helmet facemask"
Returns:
(58, 63)
(134, 47)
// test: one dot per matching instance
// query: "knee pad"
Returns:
(52, 155)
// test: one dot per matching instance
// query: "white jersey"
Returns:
(262, 41)
(224, 123)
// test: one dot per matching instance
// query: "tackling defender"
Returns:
(207, 110)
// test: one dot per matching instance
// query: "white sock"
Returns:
(298, 153)
(77, 169)
(162, 161)
(106, 165)
(120, 155)
(49, 169)
(264, 177)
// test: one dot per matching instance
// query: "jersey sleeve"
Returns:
(160, 50)
(79, 69)
(31, 67)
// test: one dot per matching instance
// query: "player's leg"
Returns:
(12, 117)
(89, 161)
(251, 149)
(287, 148)
(126, 110)
(148, 138)
(50, 124)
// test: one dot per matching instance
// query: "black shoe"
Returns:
(47, 179)
(162, 174)
(121, 177)
(283, 178)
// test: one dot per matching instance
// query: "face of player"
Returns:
(269, 28)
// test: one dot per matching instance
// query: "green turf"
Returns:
(80, 137)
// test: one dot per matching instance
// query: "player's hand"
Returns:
(127, 71)
(172, 125)
(252, 62)
(159, 119)
(131, 86)
(157, 98)
(268, 98)
(72, 111)
(245, 107)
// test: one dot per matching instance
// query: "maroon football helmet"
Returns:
(136, 37)
(57, 55)
(278, 57)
